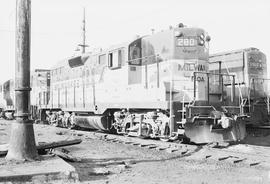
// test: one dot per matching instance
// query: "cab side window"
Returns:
(102, 59)
(115, 59)
(135, 52)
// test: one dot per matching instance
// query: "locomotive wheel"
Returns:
(4, 116)
(166, 134)
(112, 130)
(69, 125)
(126, 134)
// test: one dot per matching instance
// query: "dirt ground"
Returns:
(112, 162)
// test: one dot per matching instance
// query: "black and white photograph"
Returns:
(134, 92)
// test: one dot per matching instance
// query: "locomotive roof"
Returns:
(64, 62)
(97, 51)
(234, 52)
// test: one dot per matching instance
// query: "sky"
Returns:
(56, 25)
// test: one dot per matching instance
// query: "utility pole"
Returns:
(22, 145)
(83, 45)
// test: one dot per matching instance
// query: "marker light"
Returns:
(208, 38)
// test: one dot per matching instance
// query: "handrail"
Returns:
(209, 73)
(205, 107)
(224, 74)
(145, 57)
(240, 92)
(257, 78)
(264, 90)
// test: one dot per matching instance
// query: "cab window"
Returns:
(102, 59)
(115, 59)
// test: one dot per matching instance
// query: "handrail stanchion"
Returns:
(208, 89)
(194, 80)
(157, 58)
(233, 89)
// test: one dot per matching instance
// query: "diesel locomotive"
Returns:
(155, 86)
(250, 69)
(160, 86)
(39, 98)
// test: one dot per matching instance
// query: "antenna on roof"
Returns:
(83, 45)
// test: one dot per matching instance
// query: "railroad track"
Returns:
(235, 154)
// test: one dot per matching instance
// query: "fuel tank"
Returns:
(93, 122)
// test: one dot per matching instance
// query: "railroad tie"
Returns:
(144, 145)
(161, 148)
(224, 158)
(110, 140)
(184, 152)
(254, 163)
(239, 160)
(171, 150)
(151, 146)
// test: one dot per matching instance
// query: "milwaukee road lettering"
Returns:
(191, 67)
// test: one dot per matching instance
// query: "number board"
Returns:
(186, 42)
